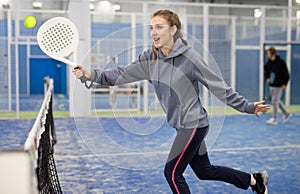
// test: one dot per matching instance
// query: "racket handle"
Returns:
(83, 78)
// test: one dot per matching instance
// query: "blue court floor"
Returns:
(126, 155)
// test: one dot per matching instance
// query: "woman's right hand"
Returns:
(79, 71)
(261, 107)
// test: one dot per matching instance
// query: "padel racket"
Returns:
(58, 38)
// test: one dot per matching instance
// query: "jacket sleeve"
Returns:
(217, 85)
(285, 73)
(135, 71)
(266, 71)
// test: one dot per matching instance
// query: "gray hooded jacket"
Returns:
(176, 81)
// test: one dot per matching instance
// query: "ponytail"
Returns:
(154, 54)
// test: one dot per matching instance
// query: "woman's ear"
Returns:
(174, 30)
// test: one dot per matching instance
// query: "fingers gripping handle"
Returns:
(83, 80)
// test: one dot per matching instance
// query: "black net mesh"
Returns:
(40, 145)
(48, 181)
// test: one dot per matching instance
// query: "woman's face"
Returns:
(162, 33)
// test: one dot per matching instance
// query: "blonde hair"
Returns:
(173, 19)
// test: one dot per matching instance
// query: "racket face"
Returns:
(58, 37)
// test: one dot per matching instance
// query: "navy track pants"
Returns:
(189, 149)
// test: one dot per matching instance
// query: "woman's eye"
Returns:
(158, 27)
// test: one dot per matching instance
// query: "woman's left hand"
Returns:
(261, 107)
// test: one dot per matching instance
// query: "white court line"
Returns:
(58, 156)
(255, 148)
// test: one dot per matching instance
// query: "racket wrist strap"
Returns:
(84, 80)
(88, 86)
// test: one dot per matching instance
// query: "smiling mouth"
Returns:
(156, 39)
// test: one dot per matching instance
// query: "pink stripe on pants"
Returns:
(179, 159)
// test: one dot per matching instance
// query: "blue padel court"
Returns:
(126, 155)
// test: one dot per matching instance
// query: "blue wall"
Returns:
(295, 74)
(247, 73)
(44, 67)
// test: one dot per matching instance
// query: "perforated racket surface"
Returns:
(58, 38)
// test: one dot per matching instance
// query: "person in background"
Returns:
(277, 77)
(175, 70)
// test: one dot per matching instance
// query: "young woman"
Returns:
(175, 70)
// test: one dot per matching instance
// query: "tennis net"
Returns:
(40, 143)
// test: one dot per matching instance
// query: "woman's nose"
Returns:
(153, 32)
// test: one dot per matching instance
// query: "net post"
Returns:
(46, 84)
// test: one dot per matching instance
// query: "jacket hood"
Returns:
(180, 46)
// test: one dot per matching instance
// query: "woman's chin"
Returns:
(157, 45)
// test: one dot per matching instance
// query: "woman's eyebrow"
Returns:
(158, 24)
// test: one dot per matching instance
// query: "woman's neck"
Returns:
(166, 51)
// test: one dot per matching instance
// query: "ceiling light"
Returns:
(4, 2)
(117, 7)
(92, 6)
(37, 4)
(257, 13)
(298, 14)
